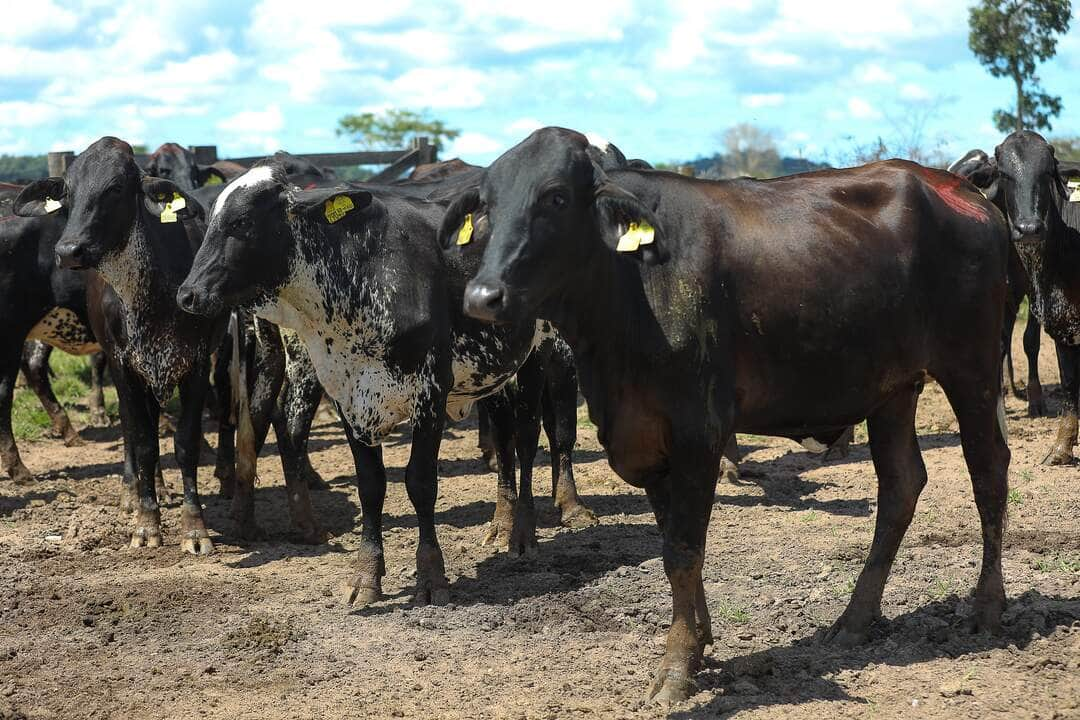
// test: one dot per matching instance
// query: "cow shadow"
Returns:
(458, 467)
(803, 670)
(10, 503)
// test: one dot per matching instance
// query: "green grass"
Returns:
(732, 613)
(1067, 564)
(71, 384)
(1015, 497)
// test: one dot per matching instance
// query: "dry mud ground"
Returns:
(90, 628)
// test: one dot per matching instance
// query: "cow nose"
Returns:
(483, 301)
(185, 298)
(1029, 227)
(70, 255)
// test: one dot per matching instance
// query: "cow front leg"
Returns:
(366, 586)
(500, 414)
(1069, 368)
(422, 484)
(35, 366)
(187, 442)
(1032, 341)
(98, 416)
(139, 411)
(559, 405)
(225, 457)
(683, 503)
(9, 452)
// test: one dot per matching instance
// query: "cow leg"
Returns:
(98, 416)
(139, 413)
(225, 462)
(500, 412)
(986, 453)
(1012, 307)
(35, 366)
(484, 440)
(298, 403)
(261, 369)
(366, 587)
(9, 452)
(291, 436)
(1032, 341)
(729, 463)
(422, 484)
(559, 403)
(1069, 368)
(901, 474)
(683, 503)
(187, 443)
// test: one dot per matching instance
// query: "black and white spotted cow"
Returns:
(141, 242)
(357, 274)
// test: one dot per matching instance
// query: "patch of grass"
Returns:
(1015, 497)
(845, 589)
(1067, 564)
(941, 588)
(71, 385)
(1026, 476)
(809, 516)
(732, 613)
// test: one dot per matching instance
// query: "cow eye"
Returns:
(558, 200)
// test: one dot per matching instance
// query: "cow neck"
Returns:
(1054, 268)
(156, 347)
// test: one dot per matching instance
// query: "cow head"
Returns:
(250, 246)
(177, 164)
(1027, 174)
(542, 212)
(101, 194)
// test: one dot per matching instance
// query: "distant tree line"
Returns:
(21, 168)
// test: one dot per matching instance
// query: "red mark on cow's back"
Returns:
(953, 192)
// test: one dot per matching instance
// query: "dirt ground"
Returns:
(92, 629)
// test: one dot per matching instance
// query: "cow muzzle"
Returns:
(74, 255)
(486, 301)
(195, 302)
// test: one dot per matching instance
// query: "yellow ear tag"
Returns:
(1074, 195)
(337, 207)
(51, 205)
(464, 236)
(214, 180)
(639, 233)
(168, 213)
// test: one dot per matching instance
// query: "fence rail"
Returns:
(397, 161)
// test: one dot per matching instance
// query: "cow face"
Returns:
(177, 164)
(1027, 172)
(542, 212)
(102, 193)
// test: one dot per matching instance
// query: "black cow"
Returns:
(1046, 235)
(178, 164)
(356, 272)
(981, 171)
(141, 240)
(783, 307)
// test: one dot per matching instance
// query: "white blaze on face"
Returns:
(255, 176)
(597, 142)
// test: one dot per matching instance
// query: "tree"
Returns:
(393, 129)
(1066, 148)
(749, 150)
(1010, 37)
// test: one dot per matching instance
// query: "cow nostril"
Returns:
(185, 298)
(484, 301)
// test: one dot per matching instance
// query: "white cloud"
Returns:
(763, 100)
(266, 121)
(474, 143)
(873, 74)
(523, 126)
(915, 92)
(20, 113)
(861, 109)
(774, 58)
(28, 20)
(443, 87)
(646, 93)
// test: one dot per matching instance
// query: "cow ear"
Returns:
(41, 197)
(330, 205)
(209, 175)
(627, 226)
(163, 199)
(457, 224)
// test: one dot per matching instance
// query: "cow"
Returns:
(355, 271)
(35, 368)
(140, 241)
(780, 307)
(1046, 235)
(979, 169)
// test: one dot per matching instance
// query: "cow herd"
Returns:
(688, 310)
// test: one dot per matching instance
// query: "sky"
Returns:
(662, 80)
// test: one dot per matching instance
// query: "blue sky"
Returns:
(660, 79)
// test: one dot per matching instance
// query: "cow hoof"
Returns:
(491, 462)
(20, 475)
(99, 419)
(314, 481)
(365, 590)
(431, 595)
(850, 630)
(198, 545)
(1061, 456)
(578, 517)
(311, 535)
(432, 587)
(148, 537)
(671, 685)
(1037, 409)
(249, 531)
(729, 471)
(73, 439)
(523, 534)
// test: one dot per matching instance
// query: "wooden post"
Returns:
(426, 151)
(59, 162)
(205, 154)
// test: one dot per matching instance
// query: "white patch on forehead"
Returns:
(597, 142)
(253, 177)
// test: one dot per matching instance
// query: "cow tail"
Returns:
(245, 430)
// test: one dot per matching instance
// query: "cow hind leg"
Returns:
(98, 416)
(139, 414)
(500, 411)
(484, 440)
(187, 442)
(1032, 341)
(9, 451)
(422, 484)
(35, 366)
(986, 453)
(901, 476)
(366, 586)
